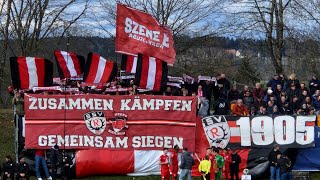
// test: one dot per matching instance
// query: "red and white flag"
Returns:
(139, 32)
(69, 64)
(99, 70)
(129, 63)
(29, 72)
(151, 73)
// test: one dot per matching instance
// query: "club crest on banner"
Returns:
(118, 124)
(95, 121)
(217, 131)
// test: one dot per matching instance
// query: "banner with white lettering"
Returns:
(107, 122)
(139, 32)
(260, 131)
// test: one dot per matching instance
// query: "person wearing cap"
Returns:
(274, 169)
(54, 162)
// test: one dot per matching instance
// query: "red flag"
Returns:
(129, 63)
(99, 70)
(151, 73)
(29, 72)
(69, 64)
(139, 32)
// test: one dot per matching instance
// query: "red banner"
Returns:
(107, 122)
(139, 32)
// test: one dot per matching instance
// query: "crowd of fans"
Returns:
(215, 96)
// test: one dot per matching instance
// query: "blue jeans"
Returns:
(274, 170)
(185, 172)
(40, 159)
(286, 176)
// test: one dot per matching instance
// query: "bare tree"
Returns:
(179, 15)
(35, 20)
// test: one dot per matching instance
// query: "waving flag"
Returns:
(69, 64)
(139, 32)
(99, 70)
(29, 72)
(129, 63)
(151, 73)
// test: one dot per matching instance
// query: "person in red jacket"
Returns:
(240, 109)
(164, 163)
(227, 160)
(174, 162)
(213, 167)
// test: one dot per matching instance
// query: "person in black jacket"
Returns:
(187, 162)
(274, 169)
(222, 106)
(22, 170)
(67, 163)
(8, 169)
(54, 162)
(284, 164)
(234, 165)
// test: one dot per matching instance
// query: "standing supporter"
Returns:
(222, 106)
(18, 102)
(234, 165)
(225, 82)
(295, 105)
(303, 96)
(67, 163)
(268, 95)
(274, 169)
(316, 104)
(315, 95)
(248, 99)
(304, 88)
(40, 159)
(274, 82)
(164, 163)
(54, 161)
(22, 169)
(262, 111)
(200, 92)
(270, 107)
(204, 107)
(220, 163)
(240, 109)
(227, 160)
(187, 162)
(258, 93)
(314, 84)
(293, 80)
(168, 91)
(293, 91)
(283, 105)
(243, 92)
(207, 89)
(174, 162)
(278, 92)
(204, 168)
(284, 164)
(233, 94)
(8, 169)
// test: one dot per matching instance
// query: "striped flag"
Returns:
(151, 73)
(99, 70)
(129, 63)
(29, 72)
(69, 64)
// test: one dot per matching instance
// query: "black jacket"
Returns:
(8, 167)
(221, 107)
(187, 161)
(237, 159)
(22, 168)
(54, 158)
(284, 163)
(273, 157)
